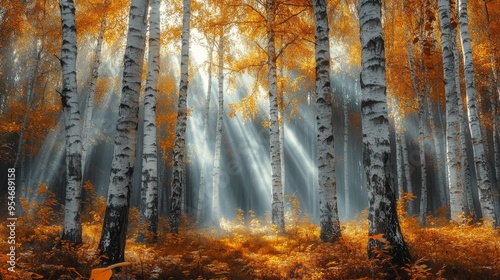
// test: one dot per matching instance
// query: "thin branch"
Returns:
(261, 48)
(308, 40)
(252, 8)
(60, 93)
(291, 16)
(60, 61)
(280, 52)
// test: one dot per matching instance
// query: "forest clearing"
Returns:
(250, 139)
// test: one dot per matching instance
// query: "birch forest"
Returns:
(249, 139)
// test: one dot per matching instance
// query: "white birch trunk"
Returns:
(464, 159)
(314, 188)
(329, 218)
(452, 121)
(72, 230)
(281, 118)
(496, 88)
(399, 147)
(483, 180)
(382, 214)
(423, 168)
(399, 165)
(347, 190)
(178, 165)
(89, 106)
(184, 209)
(469, 209)
(496, 151)
(493, 62)
(113, 237)
(465, 176)
(149, 186)
(406, 167)
(218, 135)
(420, 91)
(204, 153)
(277, 209)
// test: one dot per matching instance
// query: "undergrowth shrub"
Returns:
(93, 206)
(247, 247)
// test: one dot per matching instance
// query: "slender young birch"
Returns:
(466, 179)
(281, 118)
(423, 168)
(483, 180)
(420, 91)
(399, 155)
(495, 88)
(452, 121)
(149, 186)
(496, 152)
(382, 214)
(113, 236)
(407, 177)
(329, 218)
(89, 106)
(218, 135)
(178, 165)
(278, 210)
(203, 169)
(72, 230)
(347, 190)
(464, 158)
(399, 165)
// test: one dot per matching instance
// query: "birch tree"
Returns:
(407, 177)
(423, 168)
(382, 216)
(464, 157)
(420, 91)
(452, 121)
(347, 190)
(483, 180)
(496, 152)
(399, 154)
(149, 186)
(72, 230)
(329, 220)
(218, 132)
(178, 165)
(113, 236)
(399, 165)
(465, 176)
(278, 210)
(277, 28)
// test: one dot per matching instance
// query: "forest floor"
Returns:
(248, 248)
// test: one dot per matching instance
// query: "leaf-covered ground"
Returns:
(248, 248)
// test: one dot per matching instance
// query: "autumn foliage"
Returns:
(249, 247)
